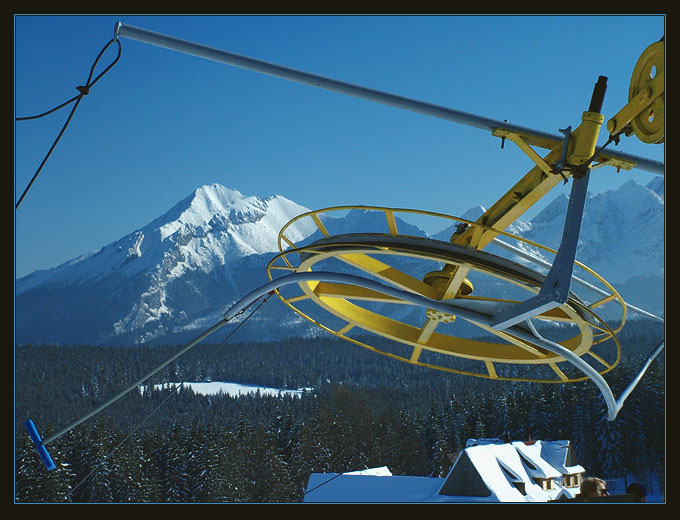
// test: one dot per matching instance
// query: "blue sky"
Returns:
(160, 124)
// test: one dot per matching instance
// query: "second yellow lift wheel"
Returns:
(649, 125)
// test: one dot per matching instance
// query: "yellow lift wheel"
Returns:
(378, 256)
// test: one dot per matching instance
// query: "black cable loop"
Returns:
(83, 91)
(94, 65)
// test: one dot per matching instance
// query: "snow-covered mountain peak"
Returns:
(211, 204)
(215, 198)
(201, 231)
(215, 223)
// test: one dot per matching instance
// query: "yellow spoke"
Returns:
(599, 359)
(389, 274)
(320, 225)
(391, 223)
(288, 267)
(427, 330)
(555, 314)
(287, 241)
(604, 300)
(514, 340)
(559, 373)
(345, 329)
(453, 285)
(296, 298)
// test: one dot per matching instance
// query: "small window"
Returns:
(514, 480)
(545, 483)
(527, 462)
(572, 480)
(521, 487)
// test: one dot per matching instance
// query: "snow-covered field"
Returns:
(233, 389)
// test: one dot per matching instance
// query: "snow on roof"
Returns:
(333, 487)
(559, 455)
(487, 470)
(536, 465)
(380, 472)
(566, 493)
(504, 474)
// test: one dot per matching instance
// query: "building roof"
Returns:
(333, 487)
(560, 455)
(532, 454)
(486, 471)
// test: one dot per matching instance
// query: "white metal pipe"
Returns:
(624, 395)
(245, 62)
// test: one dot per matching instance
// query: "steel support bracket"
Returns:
(619, 165)
(637, 104)
(524, 146)
(557, 284)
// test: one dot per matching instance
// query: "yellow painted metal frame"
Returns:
(344, 302)
(644, 113)
(581, 146)
(536, 183)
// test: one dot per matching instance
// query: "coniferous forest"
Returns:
(362, 410)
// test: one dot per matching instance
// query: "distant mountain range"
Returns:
(170, 280)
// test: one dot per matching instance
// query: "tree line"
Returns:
(363, 411)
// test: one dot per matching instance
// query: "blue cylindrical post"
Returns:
(42, 450)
